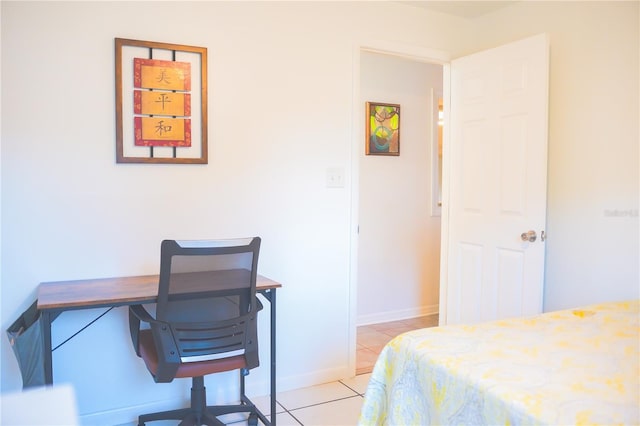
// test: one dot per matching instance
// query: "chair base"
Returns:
(188, 418)
(201, 414)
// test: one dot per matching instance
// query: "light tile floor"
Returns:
(339, 403)
(372, 338)
(329, 404)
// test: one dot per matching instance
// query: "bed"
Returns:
(570, 367)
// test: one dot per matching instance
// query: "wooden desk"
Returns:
(59, 296)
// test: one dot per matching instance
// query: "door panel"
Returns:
(513, 175)
(498, 148)
(509, 282)
(470, 258)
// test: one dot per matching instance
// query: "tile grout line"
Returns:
(287, 412)
(326, 402)
(358, 393)
(290, 412)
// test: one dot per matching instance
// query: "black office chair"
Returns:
(205, 323)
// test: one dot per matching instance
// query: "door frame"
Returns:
(416, 54)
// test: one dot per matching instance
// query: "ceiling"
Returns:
(465, 9)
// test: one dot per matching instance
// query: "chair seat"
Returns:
(188, 369)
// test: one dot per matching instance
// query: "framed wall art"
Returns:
(161, 102)
(382, 129)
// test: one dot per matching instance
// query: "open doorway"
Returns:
(398, 261)
(517, 274)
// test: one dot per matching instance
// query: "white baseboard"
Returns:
(397, 315)
(129, 416)
(312, 378)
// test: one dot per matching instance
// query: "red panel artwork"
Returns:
(162, 103)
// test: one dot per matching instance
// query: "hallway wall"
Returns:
(399, 240)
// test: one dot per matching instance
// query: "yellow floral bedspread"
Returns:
(570, 367)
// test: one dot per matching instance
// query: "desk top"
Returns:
(94, 293)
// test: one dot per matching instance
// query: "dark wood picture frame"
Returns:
(128, 150)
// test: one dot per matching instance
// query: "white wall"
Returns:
(399, 240)
(280, 98)
(280, 92)
(593, 195)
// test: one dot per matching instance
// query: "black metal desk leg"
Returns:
(45, 323)
(272, 293)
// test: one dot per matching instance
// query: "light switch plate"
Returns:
(335, 177)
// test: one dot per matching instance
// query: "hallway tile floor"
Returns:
(372, 338)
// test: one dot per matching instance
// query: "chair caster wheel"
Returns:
(253, 420)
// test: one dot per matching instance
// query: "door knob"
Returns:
(528, 236)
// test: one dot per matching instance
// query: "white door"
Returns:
(497, 182)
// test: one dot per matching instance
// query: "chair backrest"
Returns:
(207, 295)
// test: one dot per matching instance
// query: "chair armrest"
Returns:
(141, 313)
(166, 350)
(138, 313)
(168, 357)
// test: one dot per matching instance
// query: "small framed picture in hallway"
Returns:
(382, 129)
